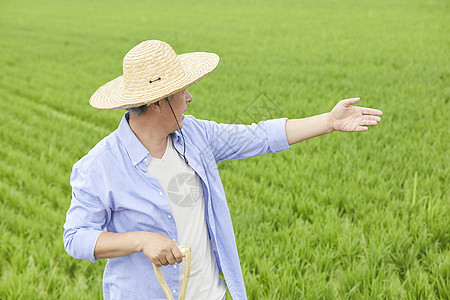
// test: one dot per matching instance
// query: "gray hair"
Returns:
(140, 110)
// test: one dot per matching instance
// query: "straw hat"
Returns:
(153, 71)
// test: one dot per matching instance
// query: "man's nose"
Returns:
(188, 97)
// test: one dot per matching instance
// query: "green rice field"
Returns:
(342, 216)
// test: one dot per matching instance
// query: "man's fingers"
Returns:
(351, 101)
(157, 263)
(361, 128)
(163, 261)
(371, 111)
(368, 123)
(170, 258)
(373, 118)
(177, 254)
(363, 110)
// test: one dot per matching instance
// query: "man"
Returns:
(153, 183)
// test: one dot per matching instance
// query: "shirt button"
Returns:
(174, 266)
(145, 159)
(169, 216)
(174, 291)
(173, 240)
(160, 193)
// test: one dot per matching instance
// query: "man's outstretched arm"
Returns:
(343, 117)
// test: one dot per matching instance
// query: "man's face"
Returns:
(179, 103)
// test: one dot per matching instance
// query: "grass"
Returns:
(343, 216)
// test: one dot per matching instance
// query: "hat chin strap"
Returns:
(184, 143)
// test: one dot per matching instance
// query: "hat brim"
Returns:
(196, 66)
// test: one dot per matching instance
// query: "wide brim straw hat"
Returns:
(153, 71)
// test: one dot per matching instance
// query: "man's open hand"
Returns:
(348, 118)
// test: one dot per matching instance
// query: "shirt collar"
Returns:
(176, 136)
(133, 146)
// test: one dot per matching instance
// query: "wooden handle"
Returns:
(186, 252)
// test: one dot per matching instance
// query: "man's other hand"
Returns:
(160, 249)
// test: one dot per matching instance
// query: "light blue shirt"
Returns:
(112, 191)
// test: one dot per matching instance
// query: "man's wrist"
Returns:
(137, 238)
(329, 122)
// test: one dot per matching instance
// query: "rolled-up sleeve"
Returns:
(230, 141)
(276, 134)
(85, 219)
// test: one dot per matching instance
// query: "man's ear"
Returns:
(156, 106)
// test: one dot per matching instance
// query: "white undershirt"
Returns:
(184, 190)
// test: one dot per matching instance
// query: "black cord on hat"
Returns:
(184, 143)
